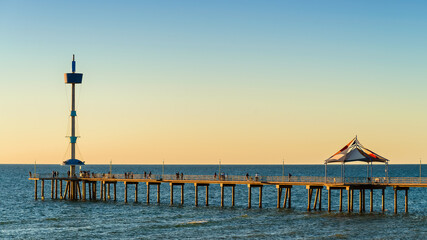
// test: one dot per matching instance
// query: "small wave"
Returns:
(197, 222)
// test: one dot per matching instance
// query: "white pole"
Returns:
(326, 172)
(420, 170)
(219, 168)
(283, 169)
(344, 172)
(35, 168)
(163, 168)
(111, 167)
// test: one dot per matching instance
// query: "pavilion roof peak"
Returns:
(354, 151)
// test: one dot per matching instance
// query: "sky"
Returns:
(195, 82)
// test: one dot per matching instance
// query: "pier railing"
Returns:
(239, 178)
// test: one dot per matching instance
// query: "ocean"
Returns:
(22, 217)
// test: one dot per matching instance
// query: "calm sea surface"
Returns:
(21, 217)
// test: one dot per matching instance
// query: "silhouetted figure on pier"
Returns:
(247, 176)
(145, 174)
(215, 175)
(149, 175)
(182, 176)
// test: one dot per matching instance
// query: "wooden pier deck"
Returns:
(86, 187)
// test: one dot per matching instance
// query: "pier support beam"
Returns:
(250, 186)
(115, 195)
(249, 195)
(78, 190)
(285, 200)
(371, 203)
(171, 194)
(101, 190)
(56, 188)
(60, 190)
(348, 199)
(136, 192)
(196, 193)
(67, 187)
(316, 198)
(406, 200)
(207, 195)
(222, 185)
(126, 192)
(158, 193)
(148, 193)
(363, 200)
(42, 190)
(51, 188)
(35, 189)
(94, 191)
(340, 207)
(383, 199)
(108, 190)
(232, 195)
(395, 200)
(397, 188)
(287, 197)
(222, 195)
(84, 190)
(182, 194)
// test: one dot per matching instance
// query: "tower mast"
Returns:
(73, 78)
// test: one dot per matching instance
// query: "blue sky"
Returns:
(194, 81)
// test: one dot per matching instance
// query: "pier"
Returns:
(82, 186)
(86, 188)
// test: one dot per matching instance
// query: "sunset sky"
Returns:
(192, 82)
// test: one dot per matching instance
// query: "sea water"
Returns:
(22, 217)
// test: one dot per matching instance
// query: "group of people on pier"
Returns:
(179, 176)
(149, 175)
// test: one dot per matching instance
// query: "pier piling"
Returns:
(42, 190)
(126, 192)
(171, 194)
(232, 195)
(249, 195)
(148, 193)
(158, 193)
(136, 192)
(56, 188)
(35, 190)
(406, 200)
(115, 195)
(60, 190)
(182, 194)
